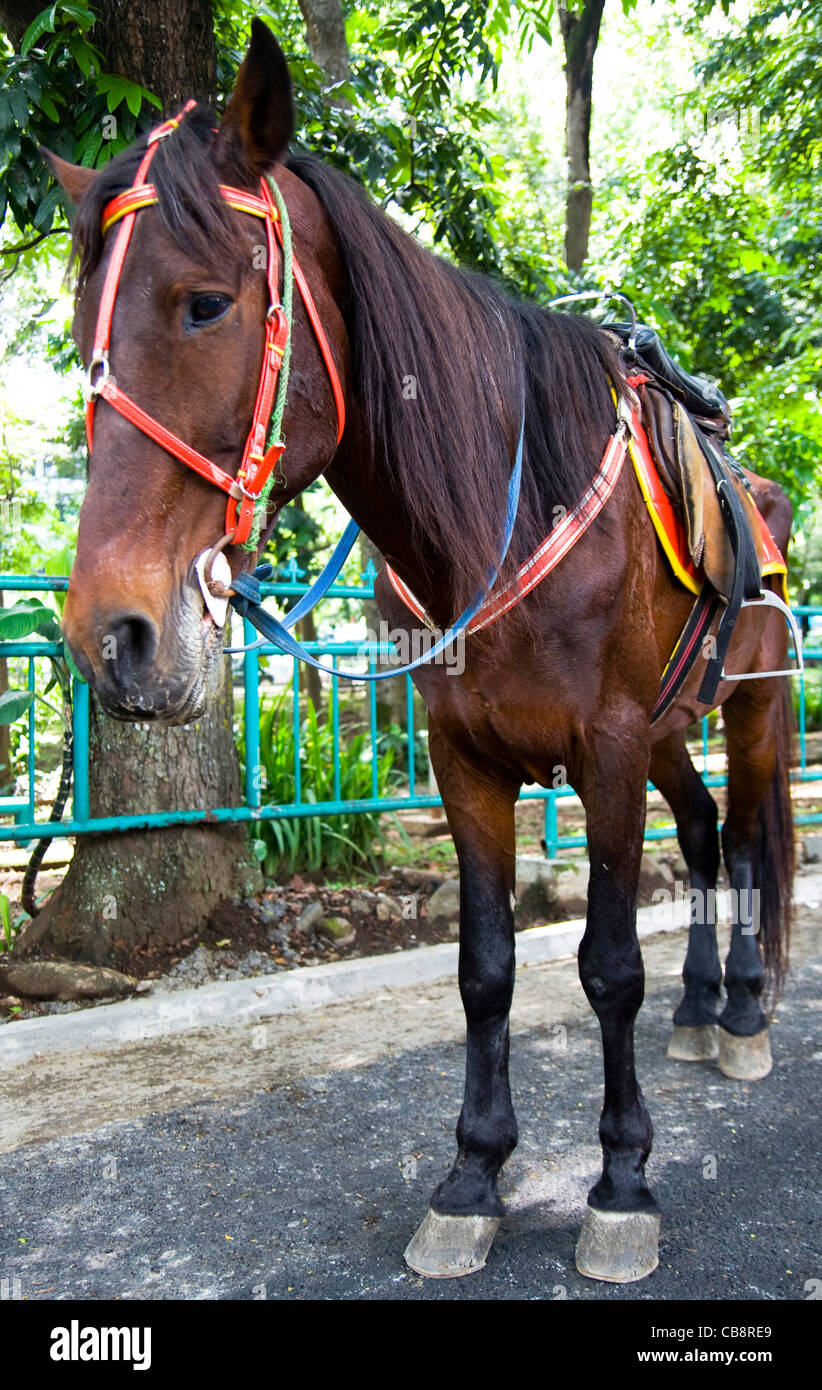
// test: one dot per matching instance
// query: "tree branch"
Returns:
(35, 241)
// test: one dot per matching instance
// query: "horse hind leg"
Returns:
(695, 1036)
(758, 846)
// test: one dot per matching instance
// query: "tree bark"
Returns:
(391, 693)
(325, 31)
(580, 35)
(16, 16)
(150, 887)
(167, 46)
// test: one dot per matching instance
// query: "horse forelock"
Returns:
(187, 180)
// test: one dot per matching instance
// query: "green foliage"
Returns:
(337, 843)
(6, 933)
(813, 699)
(54, 92)
(31, 618)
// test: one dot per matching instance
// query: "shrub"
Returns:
(336, 843)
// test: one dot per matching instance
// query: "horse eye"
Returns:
(208, 308)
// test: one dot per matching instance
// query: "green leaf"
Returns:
(69, 659)
(82, 53)
(22, 619)
(116, 93)
(134, 99)
(5, 920)
(43, 24)
(45, 212)
(47, 105)
(19, 105)
(83, 16)
(13, 703)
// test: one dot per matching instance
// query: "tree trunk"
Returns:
(390, 694)
(325, 31)
(146, 887)
(16, 16)
(580, 35)
(159, 885)
(167, 46)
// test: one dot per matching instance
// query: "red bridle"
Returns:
(257, 464)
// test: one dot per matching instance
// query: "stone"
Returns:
(444, 903)
(309, 917)
(387, 907)
(419, 878)
(360, 906)
(65, 980)
(536, 890)
(653, 875)
(572, 891)
(812, 849)
(338, 930)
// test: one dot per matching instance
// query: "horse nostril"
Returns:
(129, 647)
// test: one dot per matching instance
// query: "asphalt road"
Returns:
(168, 1171)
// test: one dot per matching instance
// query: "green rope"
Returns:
(275, 429)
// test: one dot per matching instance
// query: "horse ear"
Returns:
(75, 179)
(259, 119)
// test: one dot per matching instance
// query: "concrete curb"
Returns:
(230, 1002)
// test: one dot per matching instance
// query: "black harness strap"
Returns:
(747, 575)
(687, 649)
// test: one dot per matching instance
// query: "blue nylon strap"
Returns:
(247, 599)
(323, 582)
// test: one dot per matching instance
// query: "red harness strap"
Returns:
(257, 463)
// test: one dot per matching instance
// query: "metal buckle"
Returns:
(92, 390)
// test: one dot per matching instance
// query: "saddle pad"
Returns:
(671, 530)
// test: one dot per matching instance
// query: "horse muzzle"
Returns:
(144, 670)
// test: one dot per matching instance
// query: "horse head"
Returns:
(189, 329)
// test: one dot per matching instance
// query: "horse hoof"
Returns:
(745, 1058)
(446, 1247)
(700, 1044)
(619, 1246)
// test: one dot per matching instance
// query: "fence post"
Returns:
(80, 714)
(251, 720)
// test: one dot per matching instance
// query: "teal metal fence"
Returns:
(22, 808)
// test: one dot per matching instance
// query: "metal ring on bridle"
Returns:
(215, 586)
(92, 388)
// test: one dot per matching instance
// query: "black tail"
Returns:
(777, 851)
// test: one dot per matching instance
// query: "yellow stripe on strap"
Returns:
(134, 199)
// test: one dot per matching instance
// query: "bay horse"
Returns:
(440, 374)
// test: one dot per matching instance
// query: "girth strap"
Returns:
(747, 582)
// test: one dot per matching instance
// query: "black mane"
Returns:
(476, 354)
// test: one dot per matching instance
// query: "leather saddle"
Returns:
(687, 421)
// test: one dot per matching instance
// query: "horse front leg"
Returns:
(466, 1208)
(620, 1233)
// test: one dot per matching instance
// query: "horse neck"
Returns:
(364, 486)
